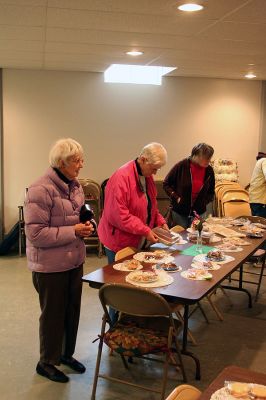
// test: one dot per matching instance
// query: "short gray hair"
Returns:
(63, 149)
(155, 154)
(202, 150)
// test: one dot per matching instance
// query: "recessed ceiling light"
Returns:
(190, 7)
(134, 53)
(250, 75)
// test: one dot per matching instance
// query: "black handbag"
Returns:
(86, 215)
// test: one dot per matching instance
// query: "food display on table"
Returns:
(240, 390)
(128, 265)
(170, 267)
(206, 265)
(229, 247)
(214, 258)
(155, 257)
(228, 221)
(236, 241)
(215, 255)
(144, 276)
(226, 232)
(167, 237)
(259, 225)
(251, 228)
(196, 274)
(206, 235)
(239, 222)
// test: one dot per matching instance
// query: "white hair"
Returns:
(62, 150)
(155, 154)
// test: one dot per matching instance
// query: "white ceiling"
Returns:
(89, 35)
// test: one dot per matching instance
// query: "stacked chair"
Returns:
(231, 200)
(93, 194)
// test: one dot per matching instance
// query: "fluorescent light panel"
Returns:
(138, 74)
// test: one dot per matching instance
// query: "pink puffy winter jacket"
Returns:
(123, 222)
(51, 210)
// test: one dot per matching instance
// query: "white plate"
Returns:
(215, 239)
(141, 257)
(206, 276)
(199, 265)
(164, 279)
(202, 257)
(123, 267)
(143, 277)
(235, 241)
(237, 250)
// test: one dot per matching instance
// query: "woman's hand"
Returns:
(84, 230)
(165, 227)
(151, 237)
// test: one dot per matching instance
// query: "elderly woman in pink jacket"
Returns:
(130, 206)
(56, 253)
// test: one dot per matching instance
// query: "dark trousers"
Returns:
(60, 299)
(258, 209)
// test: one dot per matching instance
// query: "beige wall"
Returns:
(114, 121)
(262, 144)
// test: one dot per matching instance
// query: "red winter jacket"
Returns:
(123, 222)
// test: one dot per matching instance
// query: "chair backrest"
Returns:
(184, 392)
(236, 208)
(92, 189)
(177, 229)
(163, 200)
(230, 195)
(133, 300)
(125, 252)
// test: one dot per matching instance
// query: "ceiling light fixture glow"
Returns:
(138, 74)
(134, 53)
(190, 7)
(250, 75)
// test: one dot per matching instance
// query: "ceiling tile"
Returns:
(22, 15)
(9, 32)
(78, 19)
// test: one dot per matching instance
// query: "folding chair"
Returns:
(184, 392)
(92, 192)
(146, 326)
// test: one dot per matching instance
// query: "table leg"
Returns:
(184, 343)
(240, 287)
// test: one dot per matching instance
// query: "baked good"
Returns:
(259, 392)
(215, 255)
(239, 389)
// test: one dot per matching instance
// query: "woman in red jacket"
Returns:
(190, 185)
(130, 206)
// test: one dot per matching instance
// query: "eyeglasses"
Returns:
(154, 168)
(76, 160)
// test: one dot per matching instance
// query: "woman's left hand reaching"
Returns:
(165, 227)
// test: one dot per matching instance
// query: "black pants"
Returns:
(60, 299)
